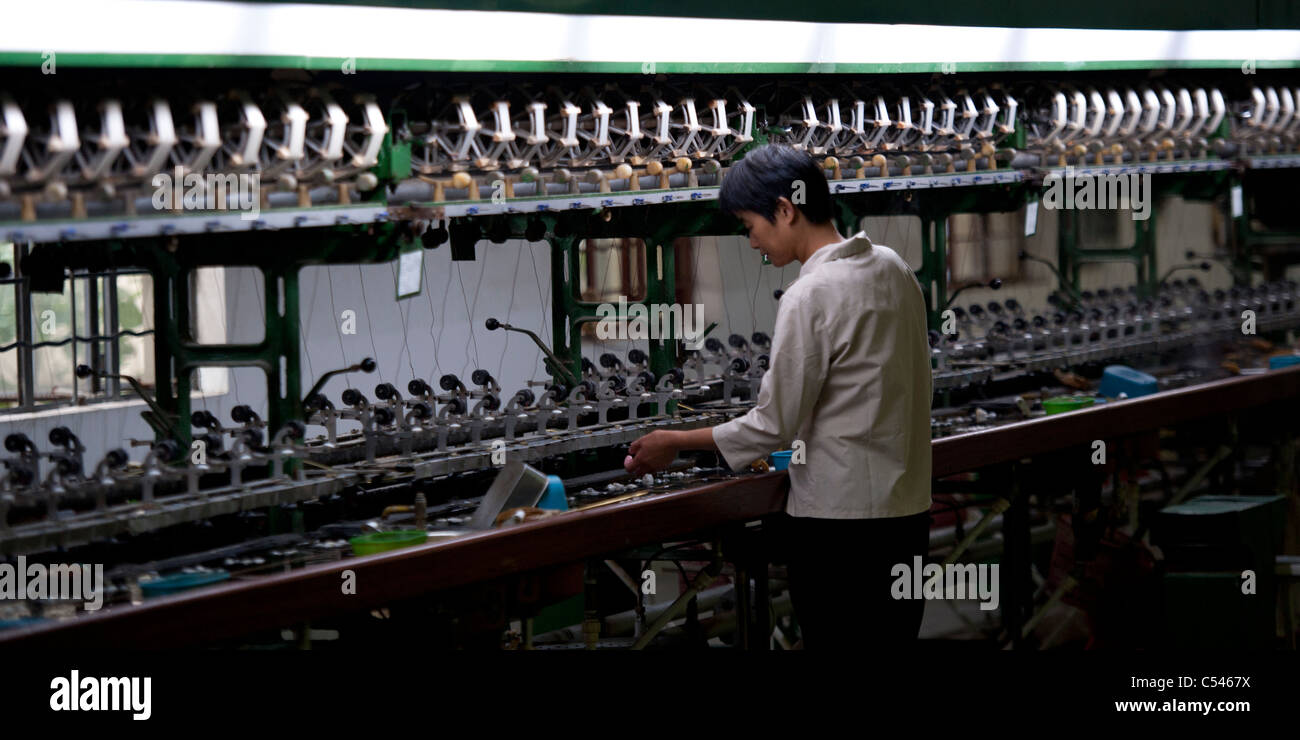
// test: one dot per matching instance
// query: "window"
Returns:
(100, 319)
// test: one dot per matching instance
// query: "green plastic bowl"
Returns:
(369, 544)
(1061, 404)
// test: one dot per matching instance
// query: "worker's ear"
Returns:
(786, 213)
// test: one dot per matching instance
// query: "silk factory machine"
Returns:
(358, 506)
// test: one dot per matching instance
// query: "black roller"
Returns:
(21, 475)
(383, 415)
(296, 428)
(456, 405)
(647, 378)
(737, 341)
(449, 382)
(491, 402)
(557, 391)
(739, 365)
(385, 391)
(317, 402)
(422, 410)
(677, 376)
(609, 360)
(712, 344)
(243, 414)
(418, 387)
(167, 449)
(760, 339)
(763, 362)
(62, 436)
(636, 356)
(116, 458)
(354, 397)
(524, 397)
(481, 377)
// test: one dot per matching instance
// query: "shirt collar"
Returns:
(855, 244)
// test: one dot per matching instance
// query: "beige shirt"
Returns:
(849, 376)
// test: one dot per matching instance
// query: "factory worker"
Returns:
(849, 377)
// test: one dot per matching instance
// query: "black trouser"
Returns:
(840, 579)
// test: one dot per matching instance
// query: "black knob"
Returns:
(1012, 304)
(61, 436)
(492, 324)
(84, 371)
(17, 442)
(778, 293)
(434, 237)
(368, 365)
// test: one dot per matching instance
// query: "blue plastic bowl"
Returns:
(781, 460)
(181, 582)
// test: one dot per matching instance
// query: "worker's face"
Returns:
(774, 239)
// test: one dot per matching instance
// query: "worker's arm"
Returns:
(791, 387)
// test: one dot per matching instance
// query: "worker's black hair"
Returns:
(775, 171)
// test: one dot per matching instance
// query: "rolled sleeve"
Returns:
(791, 386)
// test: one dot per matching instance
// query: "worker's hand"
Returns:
(652, 453)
